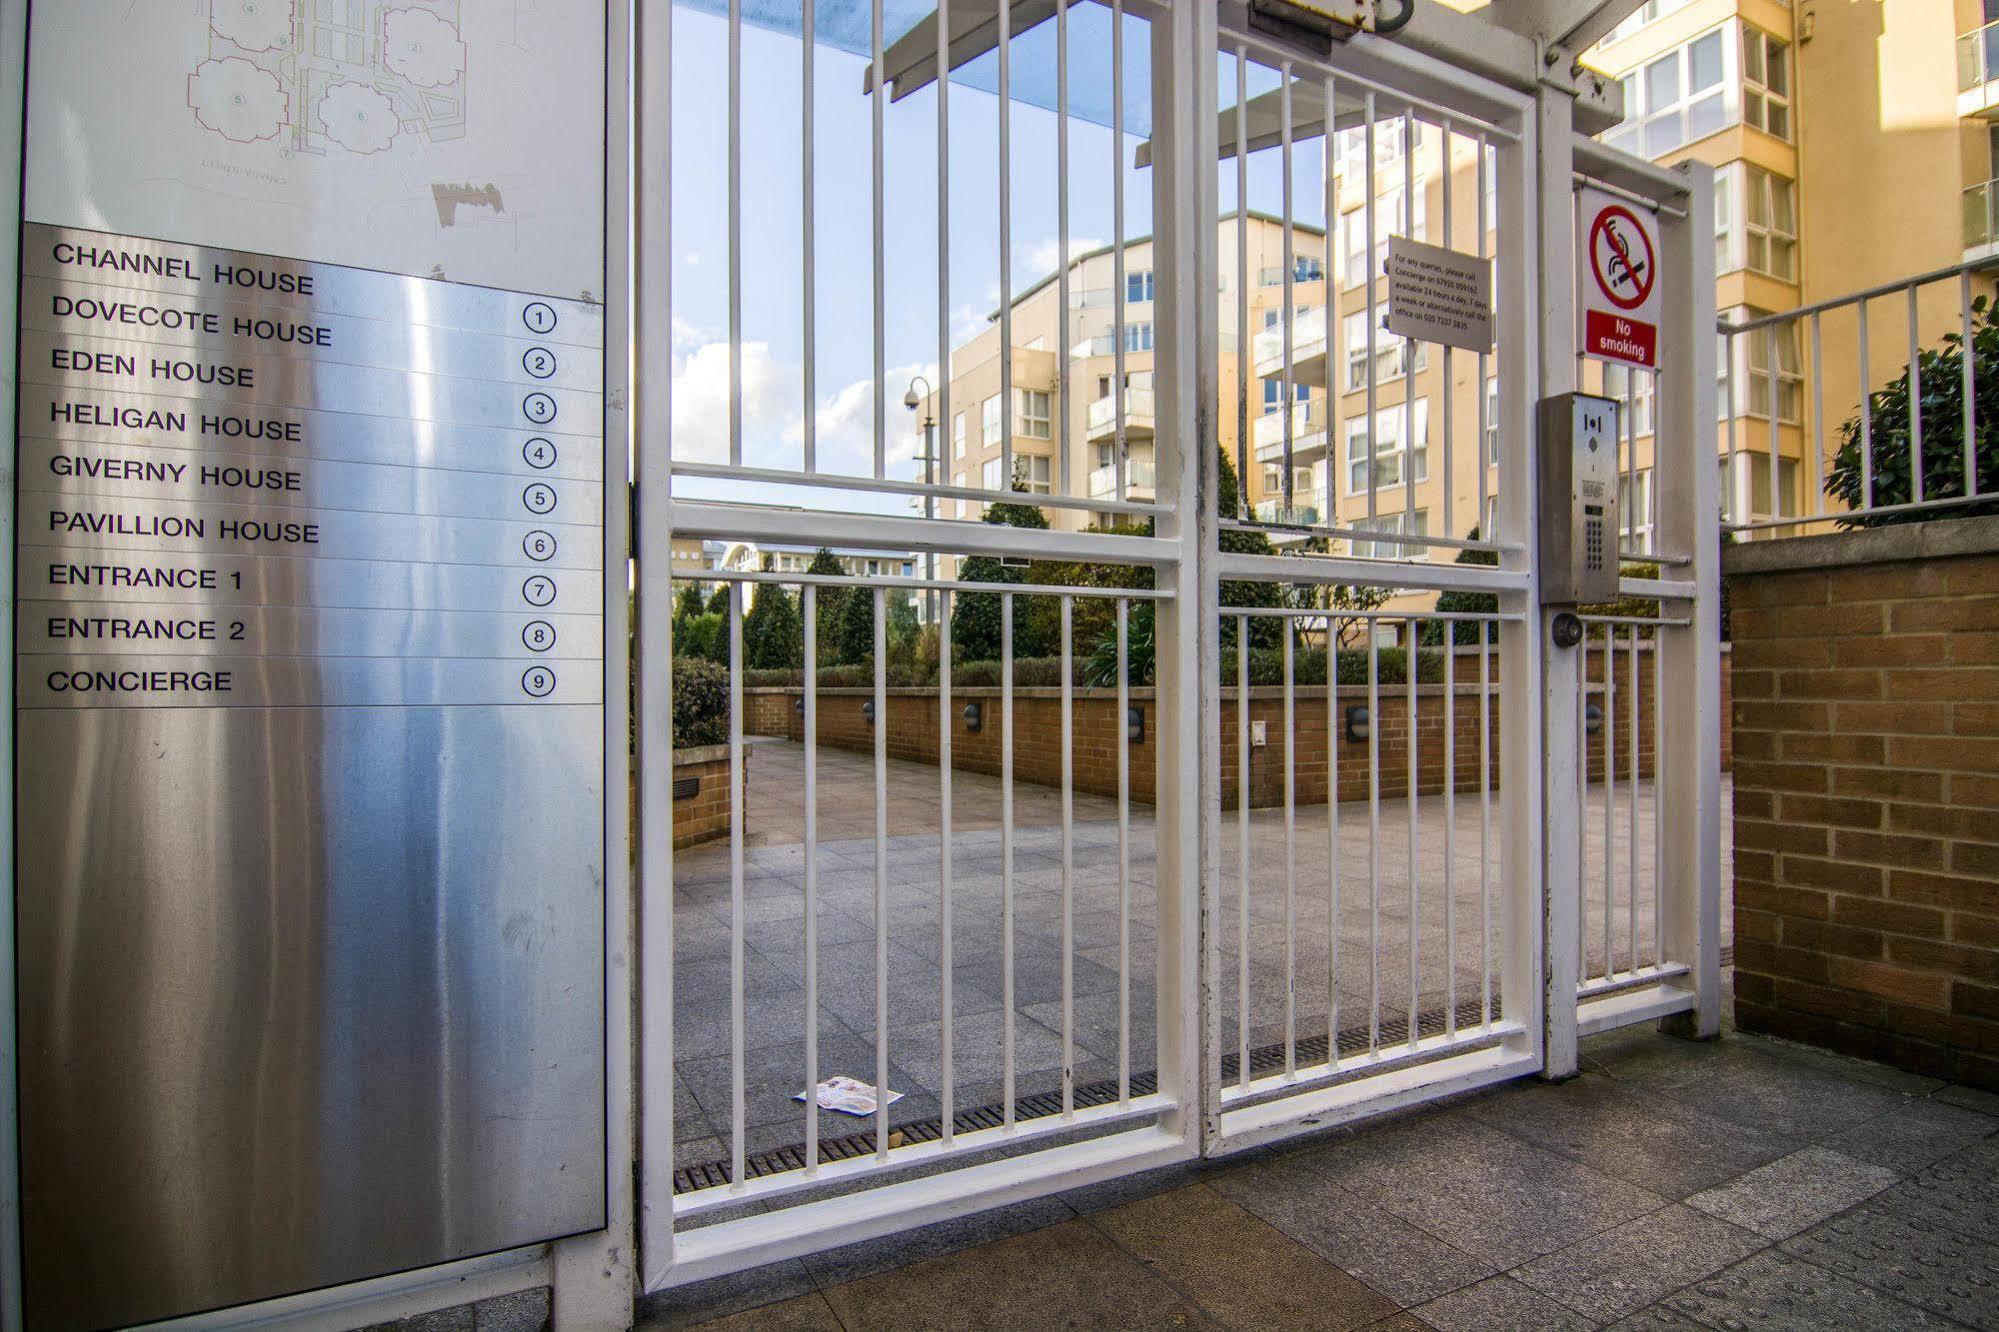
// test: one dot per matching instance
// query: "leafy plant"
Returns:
(700, 703)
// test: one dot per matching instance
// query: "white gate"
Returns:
(1159, 814)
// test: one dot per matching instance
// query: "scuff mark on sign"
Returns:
(450, 198)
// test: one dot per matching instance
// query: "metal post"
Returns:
(1689, 660)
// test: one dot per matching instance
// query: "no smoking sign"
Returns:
(1620, 286)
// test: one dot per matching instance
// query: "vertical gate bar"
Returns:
(1450, 477)
(736, 236)
(1290, 859)
(1776, 447)
(651, 390)
(1818, 423)
(1068, 861)
(1485, 628)
(1485, 425)
(880, 293)
(736, 922)
(1333, 737)
(1582, 802)
(1450, 814)
(1005, 46)
(1609, 792)
(1289, 259)
(1661, 775)
(881, 871)
(1006, 852)
(1733, 505)
(1414, 629)
(1689, 661)
(1117, 249)
(808, 255)
(1373, 811)
(1330, 281)
(1245, 362)
(1915, 401)
(1631, 841)
(944, 427)
(947, 941)
(1408, 468)
(809, 598)
(1866, 411)
(1242, 732)
(1970, 385)
(1632, 512)
(1124, 850)
(1063, 479)
(1367, 259)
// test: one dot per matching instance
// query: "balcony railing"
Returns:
(1304, 509)
(1308, 339)
(1137, 480)
(1981, 215)
(1308, 419)
(1977, 57)
(1138, 413)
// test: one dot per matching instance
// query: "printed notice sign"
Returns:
(1620, 291)
(1439, 295)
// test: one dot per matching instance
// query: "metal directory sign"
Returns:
(309, 645)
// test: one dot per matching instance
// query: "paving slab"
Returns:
(1794, 1192)
(1915, 1135)
(1622, 1270)
(1912, 1260)
(1499, 1302)
(1773, 1290)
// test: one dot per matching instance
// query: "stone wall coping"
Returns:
(693, 754)
(1940, 538)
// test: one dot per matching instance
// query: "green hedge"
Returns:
(1266, 667)
(700, 703)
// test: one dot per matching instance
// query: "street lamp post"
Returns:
(912, 400)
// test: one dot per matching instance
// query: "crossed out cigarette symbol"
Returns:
(1626, 273)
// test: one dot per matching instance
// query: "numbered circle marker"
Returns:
(539, 317)
(539, 590)
(539, 497)
(538, 408)
(538, 681)
(539, 362)
(539, 452)
(539, 636)
(538, 545)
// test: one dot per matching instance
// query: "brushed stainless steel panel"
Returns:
(105, 522)
(305, 995)
(273, 580)
(75, 255)
(171, 422)
(129, 680)
(215, 476)
(69, 628)
(216, 323)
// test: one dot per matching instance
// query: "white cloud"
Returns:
(701, 401)
(844, 425)
(1046, 256)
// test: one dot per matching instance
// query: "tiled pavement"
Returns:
(774, 958)
(1737, 1184)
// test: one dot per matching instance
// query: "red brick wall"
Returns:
(1866, 720)
(704, 815)
(912, 733)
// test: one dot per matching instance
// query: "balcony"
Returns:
(1137, 480)
(1138, 416)
(1978, 73)
(1304, 510)
(1308, 432)
(1981, 219)
(1308, 350)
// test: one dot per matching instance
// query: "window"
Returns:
(1754, 474)
(1634, 510)
(1752, 393)
(1273, 394)
(1771, 232)
(1492, 420)
(989, 421)
(1389, 220)
(990, 474)
(1138, 337)
(958, 437)
(1304, 268)
(1138, 287)
(1644, 14)
(1389, 362)
(1389, 136)
(1766, 82)
(1033, 473)
(1397, 522)
(1633, 390)
(1388, 452)
(1673, 100)
(1030, 408)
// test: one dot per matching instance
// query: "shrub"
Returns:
(700, 703)
(773, 636)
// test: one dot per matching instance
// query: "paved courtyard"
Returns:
(1374, 959)
(1736, 1184)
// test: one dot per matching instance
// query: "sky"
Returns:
(772, 222)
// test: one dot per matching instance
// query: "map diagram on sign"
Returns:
(323, 77)
(461, 140)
